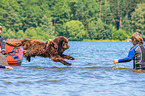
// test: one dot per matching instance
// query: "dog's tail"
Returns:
(14, 42)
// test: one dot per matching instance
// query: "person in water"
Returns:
(3, 61)
(136, 53)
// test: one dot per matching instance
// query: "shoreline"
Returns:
(127, 40)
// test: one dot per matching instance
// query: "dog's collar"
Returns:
(51, 43)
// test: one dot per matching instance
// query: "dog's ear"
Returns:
(56, 40)
(59, 39)
(64, 39)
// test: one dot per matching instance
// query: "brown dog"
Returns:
(53, 50)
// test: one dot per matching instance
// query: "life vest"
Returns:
(139, 58)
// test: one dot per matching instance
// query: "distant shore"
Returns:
(127, 40)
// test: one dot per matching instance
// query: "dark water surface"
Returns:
(91, 73)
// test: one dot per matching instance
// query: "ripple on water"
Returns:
(92, 73)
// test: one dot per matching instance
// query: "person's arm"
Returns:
(8, 67)
(128, 58)
(2, 45)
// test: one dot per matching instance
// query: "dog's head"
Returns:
(61, 43)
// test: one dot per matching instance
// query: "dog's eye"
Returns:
(63, 44)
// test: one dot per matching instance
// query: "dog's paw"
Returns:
(68, 64)
(72, 58)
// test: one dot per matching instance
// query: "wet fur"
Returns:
(53, 50)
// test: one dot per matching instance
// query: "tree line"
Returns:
(74, 19)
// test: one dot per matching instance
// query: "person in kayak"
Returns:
(3, 61)
(136, 53)
(2, 42)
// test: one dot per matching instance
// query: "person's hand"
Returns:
(115, 60)
(8, 67)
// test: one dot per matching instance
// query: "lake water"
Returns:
(91, 73)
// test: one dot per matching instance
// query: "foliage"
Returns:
(20, 34)
(99, 30)
(74, 30)
(119, 35)
(138, 18)
(75, 19)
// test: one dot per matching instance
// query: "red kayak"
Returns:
(14, 55)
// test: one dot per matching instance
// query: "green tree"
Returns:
(60, 11)
(127, 25)
(44, 19)
(47, 27)
(8, 34)
(99, 30)
(74, 30)
(85, 10)
(20, 35)
(121, 8)
(138, 18)
(105, 13)
(10, 14)
(41, 34)
(119, 35)
(31, 33)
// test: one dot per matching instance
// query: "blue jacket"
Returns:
(136, 54)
